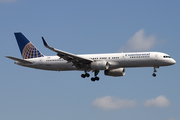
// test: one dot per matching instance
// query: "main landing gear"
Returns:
(93, 78)
(95, 74)
(154, 74)
(85, 75)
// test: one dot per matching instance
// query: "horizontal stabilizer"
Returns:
(20, 60)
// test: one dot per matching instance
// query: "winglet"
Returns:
(46, 45)
(44, 41)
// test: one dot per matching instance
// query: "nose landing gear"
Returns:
(154, 74)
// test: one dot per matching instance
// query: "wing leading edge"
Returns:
(78, 62)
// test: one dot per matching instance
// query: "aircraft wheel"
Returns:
(97, 78)
(92, 79)
(83, 75)
(87, 75)
(154, 74)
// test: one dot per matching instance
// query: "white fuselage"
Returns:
(116, 60)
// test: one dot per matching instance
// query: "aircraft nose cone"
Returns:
(173, 61)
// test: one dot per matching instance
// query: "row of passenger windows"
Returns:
(102, 58)
(90, 58)
(115, 57)
(109, 58)
(55, 60)
(94, 58)
(140, 57)
(99, 58)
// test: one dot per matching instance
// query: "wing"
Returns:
(78, 62)
(19, 60)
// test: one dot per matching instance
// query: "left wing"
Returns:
(78, 62)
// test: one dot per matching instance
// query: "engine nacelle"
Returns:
(115, 72)
(99, 65)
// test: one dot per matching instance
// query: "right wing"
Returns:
(78, 62)
(20, 60)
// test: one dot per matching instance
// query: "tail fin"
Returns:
(27, 49)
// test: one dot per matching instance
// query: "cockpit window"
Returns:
(166, 56)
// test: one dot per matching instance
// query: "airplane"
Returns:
(113, 64)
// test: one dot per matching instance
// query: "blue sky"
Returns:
(79, 27)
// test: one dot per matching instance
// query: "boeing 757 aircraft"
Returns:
(113, 64)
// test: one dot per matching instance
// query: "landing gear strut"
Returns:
(154, 74)
(95, 74)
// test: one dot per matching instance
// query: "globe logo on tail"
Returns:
(30, 51)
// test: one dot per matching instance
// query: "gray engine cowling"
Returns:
(99, 65)
(115, 72)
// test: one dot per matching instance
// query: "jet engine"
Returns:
(100, 65)
(115, 72)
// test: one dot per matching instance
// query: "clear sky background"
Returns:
(96, 26)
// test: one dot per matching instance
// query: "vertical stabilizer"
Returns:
(27, 49)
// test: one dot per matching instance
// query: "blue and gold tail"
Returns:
(27, 49)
